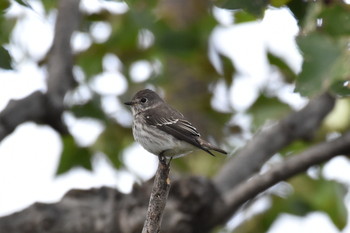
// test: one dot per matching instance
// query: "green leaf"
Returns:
(336, 20)
(49, 4)
(299, 9)
(229, 69)
(266, 108)
(6, 24)
(341, 88)
(177, 42)
(255, 7)
(5, 59)
(4, 4)
(295, 148)
(308, 195)
(243, 17)
(73, 156)
(279, 3)
(24, 3)
(321, 195)
(92, 109)
(113, 141)
(91, 60)
(287, 72)
(321, 54)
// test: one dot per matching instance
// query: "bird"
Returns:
(163, 130)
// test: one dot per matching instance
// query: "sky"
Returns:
(29, 156)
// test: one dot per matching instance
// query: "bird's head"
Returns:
(144, 100)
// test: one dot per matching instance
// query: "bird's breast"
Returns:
(156, 141)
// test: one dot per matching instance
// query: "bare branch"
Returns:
(20, 111)
(94, 212)
(60, 60)
(298, 125)
(290, 167)
(158, 198)
(47, 108)
(191, 203)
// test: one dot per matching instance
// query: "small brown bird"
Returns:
(162, 130)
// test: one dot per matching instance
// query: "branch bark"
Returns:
(158, 198)
(290, 167)
(298, 125)
(60, 62)
(105, 210)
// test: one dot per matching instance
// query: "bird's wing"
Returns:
(173, 123)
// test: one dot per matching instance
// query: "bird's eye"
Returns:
(143, 100)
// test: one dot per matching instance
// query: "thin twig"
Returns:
(159, 196)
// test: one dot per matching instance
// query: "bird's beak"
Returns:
(129, 103)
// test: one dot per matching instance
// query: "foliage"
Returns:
(330, 197)
(175, 35)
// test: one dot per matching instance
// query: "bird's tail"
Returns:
(206, 146)
(218, 149)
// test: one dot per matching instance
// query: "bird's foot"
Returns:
(163, 159)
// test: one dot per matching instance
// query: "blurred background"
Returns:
(232, 70)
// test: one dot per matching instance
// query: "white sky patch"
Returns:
(79, 74)
(223, 16)
(280, 29)
(140, 71)
(259, 206)
(90, 6)
(220, 102)
(115, 7)
(84, 130)
(313, 222)
(30, 166)
(246, 44)
(111, 63)
(103, 174)
(284, 91)
(145, 38)
(80, 95)
(94, 6)
(243, 93)
(33, 33)
(109, 83)
(26, 79)
(338, 169)
(140, 162)
(241, 43)
(112, 106)
(293, 99)
(80, 41)
(100, 31)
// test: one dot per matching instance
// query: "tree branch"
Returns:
(47, 108)
(60, 61)
(290, 167)
(105, 210)
(20, 111)
(298, 125)
(158, 197)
